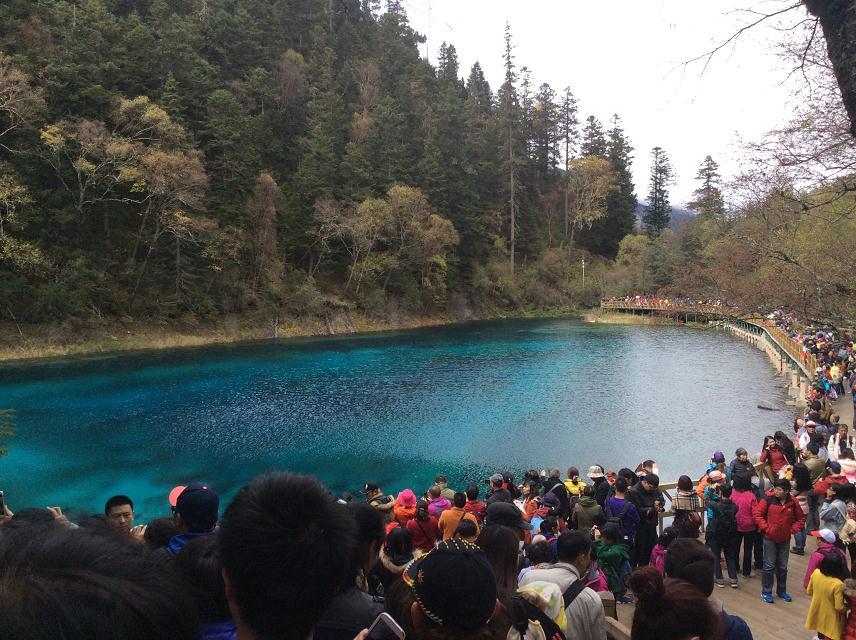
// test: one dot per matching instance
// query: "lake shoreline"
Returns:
(27, 344)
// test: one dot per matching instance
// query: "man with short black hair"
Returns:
(583, 607)
(119, 511)
(451, 518)
(778, 516)
(648, 500)
(286, 546)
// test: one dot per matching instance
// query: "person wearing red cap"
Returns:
(194, 511)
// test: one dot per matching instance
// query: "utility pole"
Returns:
(583, 260)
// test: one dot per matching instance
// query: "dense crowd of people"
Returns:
(660, 301)
(532, 559)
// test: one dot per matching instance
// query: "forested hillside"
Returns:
(189, 158)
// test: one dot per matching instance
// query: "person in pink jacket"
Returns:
(658, 553)
(825, 544)
(747, 533)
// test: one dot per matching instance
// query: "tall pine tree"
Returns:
(512, 148)
(656, 217)
(594, 139)
(606, 233)
(707, 199)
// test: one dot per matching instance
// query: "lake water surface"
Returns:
(396, 408)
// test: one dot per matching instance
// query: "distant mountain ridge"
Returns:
(679, 216)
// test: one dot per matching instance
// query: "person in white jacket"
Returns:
(585, 612)
(839, 441)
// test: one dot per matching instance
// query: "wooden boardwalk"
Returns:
(781, 620)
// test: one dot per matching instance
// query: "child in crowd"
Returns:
(826, 588)
(825, 545)
(658, 553)
(550, 531)
(613, 557)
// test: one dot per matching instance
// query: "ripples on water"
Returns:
(396, 408)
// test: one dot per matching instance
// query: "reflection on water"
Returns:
(395, 408)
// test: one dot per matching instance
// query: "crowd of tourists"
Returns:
(533, 557)
(661, 301)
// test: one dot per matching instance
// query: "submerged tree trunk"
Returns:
(838, 21)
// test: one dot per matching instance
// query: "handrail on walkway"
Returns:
(665, 487)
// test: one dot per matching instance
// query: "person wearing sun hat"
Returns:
(454, 589)
(195, 508)
(826, 540)
(600, 484)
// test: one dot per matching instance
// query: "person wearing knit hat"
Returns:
(453, 586)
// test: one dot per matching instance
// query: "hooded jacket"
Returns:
(833, 515)
(778, 520)
(587, 512)
(610, 558)
(438, 505)
(403, 513)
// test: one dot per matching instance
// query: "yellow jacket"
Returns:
(574, 489)
(827, 608)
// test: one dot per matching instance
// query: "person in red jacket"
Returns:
(777, 516)
(773, 458)
(834, 477)
(423, 528)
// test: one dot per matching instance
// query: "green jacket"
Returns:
(610, 558)
(586, 513)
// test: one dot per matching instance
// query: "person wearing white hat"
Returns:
(600, 485)
(825, 544)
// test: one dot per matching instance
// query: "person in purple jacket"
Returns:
(620, 509)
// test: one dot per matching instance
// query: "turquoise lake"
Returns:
(396, 408)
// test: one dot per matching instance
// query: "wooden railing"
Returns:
(707, 309)
(665, 487)
(793, 348)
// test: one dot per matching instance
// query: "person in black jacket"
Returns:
(742, 466)
(553, 484)
(648, 499)
(723, 533)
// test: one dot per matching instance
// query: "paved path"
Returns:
(778, 621)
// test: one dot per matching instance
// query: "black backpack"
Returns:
(522, 611)
(619, 519)
(726, 523)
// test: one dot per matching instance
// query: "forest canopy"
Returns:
(194, 158)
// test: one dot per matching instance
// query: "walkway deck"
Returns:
(779, 621)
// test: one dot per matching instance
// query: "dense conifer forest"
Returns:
(188, 160)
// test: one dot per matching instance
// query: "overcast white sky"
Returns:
(625, 56)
